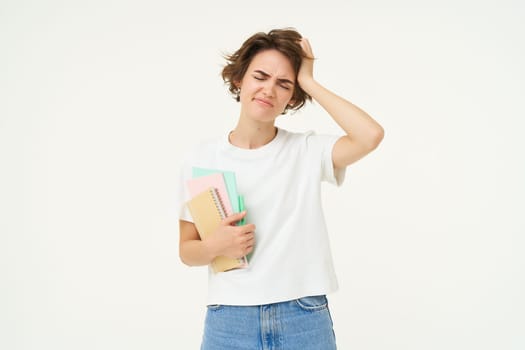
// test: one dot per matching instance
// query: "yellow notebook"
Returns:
(207, 212)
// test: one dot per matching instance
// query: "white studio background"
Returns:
(100, 99)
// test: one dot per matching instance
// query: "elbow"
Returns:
(190, 256)
(184, 258)
(188, 262)
(379, 135)
(375, 137)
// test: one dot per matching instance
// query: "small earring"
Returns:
(238, 94)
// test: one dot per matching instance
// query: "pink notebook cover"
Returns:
(202, 183)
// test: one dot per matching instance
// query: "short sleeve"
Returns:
(322, 146)
(182, 193)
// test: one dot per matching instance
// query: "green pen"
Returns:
(240, 200)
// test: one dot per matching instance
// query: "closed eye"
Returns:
(283, 83)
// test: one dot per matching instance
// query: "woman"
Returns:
(279, 301)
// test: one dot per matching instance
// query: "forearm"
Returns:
(355, 122)
(196, 252)
(227, 240)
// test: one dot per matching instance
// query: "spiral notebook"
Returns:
(229, 180)
(215, 180)
(207, 212)
(236, 200)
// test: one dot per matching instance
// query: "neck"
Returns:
(252, 135)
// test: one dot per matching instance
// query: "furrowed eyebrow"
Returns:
(286, 81)
(266, 75)
(262, 73)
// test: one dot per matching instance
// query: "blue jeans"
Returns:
(303, 324)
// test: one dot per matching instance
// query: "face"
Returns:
(267, 86)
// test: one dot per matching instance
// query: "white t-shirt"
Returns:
(281, 185)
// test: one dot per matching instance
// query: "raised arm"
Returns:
(363, 134)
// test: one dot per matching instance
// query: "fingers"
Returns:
(249, 243)
(247, 239)
(238, 240)
(307, 48)
(232, 219)
(248, 228)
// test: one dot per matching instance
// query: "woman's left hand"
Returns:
(306, 72)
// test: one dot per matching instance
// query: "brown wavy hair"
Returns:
(286, 41)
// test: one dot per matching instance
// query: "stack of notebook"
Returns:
(213, 197)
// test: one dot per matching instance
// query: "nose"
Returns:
(269, 88)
